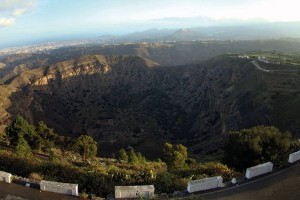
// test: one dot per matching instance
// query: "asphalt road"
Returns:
(260, 68)
(283, 185)
(18, 192)
(267, 70)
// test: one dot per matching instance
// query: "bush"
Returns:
(123, 156)
(84, 195)
(168, 182)
(35, 176)
(20, 128)
(132, 158)
(23, 150)
(259, 144)
(175, 155)
(199, 171)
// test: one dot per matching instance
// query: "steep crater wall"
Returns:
(122, 101)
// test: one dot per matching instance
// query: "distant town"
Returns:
(41, 48)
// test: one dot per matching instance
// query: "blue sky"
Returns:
(29, 20)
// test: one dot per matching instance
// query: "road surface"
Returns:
(283, 185)
(18, 192)
(267, 70)
(259, 67)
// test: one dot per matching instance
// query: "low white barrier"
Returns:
(259, 170)
(5, 177)
(205, 184)
(293, 157)
(57, 187)
(127, 192)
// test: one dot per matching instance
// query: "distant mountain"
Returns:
(184, 35)
(252, 31)
(148, 34)
(249, 30)
(255, 31)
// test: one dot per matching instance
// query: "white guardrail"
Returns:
(5, 177)
(128, 192)
(57, 187)
(259, 170)
(293, 157)
(205, 184)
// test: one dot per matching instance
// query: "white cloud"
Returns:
(19, 11)
(10, 10)
(13, 4)
(6, 21)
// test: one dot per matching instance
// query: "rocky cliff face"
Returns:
(123, 100)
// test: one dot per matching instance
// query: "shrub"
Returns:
(23, 149)
(35, 176)
(169, 182)
(132, 158)
(175, 155)
(250, 147)
(123, 156)
(84, 195)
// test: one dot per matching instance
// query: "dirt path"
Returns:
(18, 192)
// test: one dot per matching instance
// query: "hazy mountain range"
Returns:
(263, 30)
(231, 30)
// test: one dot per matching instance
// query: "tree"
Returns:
(21, 128)
(123, 155)
(175, 155)
(86, 147)
(249, 147)
(23, 149)
(44, 131)
(18, 128)
(47, 135)
(140, 157)
(132, 158)
(34, 140)
(168, 153)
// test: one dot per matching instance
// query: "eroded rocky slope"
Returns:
(126, 100)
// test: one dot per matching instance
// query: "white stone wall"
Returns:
(57, 187)
(5, 177)
(293, 157)
(259, 170)
(127, 192)
(205, 184)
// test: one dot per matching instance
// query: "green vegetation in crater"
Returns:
(76, 162)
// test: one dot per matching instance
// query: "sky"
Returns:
(22, 21)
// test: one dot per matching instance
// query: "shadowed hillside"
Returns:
(123, 100)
